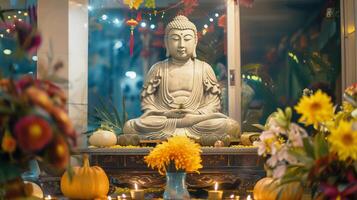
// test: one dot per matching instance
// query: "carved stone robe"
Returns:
(156, 99)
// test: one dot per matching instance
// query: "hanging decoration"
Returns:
(133, 4)
(150, 4)
(132, 23)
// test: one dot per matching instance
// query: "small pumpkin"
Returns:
(103, 138)
(268, 189)
(87, 182)
(129, 139)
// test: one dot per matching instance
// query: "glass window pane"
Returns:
(287, 46)
(114, 73)
(10, 61)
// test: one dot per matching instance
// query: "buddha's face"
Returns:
(181, 44)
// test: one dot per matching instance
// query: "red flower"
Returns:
(32, 133)
(59, 153)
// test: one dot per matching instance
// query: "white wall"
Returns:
(64, 28)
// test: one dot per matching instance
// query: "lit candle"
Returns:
(49, 197)
(234, 197)
(215, 194)
(122, 197)
(137, 194)
(249, 197)
(109, 198)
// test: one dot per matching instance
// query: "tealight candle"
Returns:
(215, 194)
(137, 194)
(249, 197)
(49, 197)
(122, 197)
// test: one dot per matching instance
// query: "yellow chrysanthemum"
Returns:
(315, 109)
(343, 141)
(180, 150)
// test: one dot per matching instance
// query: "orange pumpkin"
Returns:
(268, 189)
(87, 182)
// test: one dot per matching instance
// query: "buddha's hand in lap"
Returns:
(175, 113)
(191, 119)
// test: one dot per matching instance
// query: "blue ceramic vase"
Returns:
(176, 186)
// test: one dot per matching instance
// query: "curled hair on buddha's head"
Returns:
(180, 22)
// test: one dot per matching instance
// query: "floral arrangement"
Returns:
(322, 155)
(33, 120)
(178, 153)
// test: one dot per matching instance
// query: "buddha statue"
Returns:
(181, 95)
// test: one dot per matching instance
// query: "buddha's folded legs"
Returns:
(193, 126)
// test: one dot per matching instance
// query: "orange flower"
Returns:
(33, 133)
(64, 121)
(59, 153)
(8, 143)
(39, 97)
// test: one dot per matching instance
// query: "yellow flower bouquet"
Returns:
(319, 153)
(174, 158)
(180, 151)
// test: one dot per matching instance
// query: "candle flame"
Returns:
(216, 186)
(232, 196)
(136, 186)
(249, 197)
(109, 198)
(123, 195)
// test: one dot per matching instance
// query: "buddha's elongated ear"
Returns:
(194, 54)
(166, 47)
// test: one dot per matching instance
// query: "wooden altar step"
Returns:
(235, 169)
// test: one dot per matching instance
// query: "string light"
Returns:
(206, 26)
(211, 19)
(104, 17)
(216, 15)
(26, 14)
(19, 12)
(7, 51)
(143, 24)
(152, 26)
(9, 17)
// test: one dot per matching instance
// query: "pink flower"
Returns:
(279, 171)
(32, 133)
(296, 134)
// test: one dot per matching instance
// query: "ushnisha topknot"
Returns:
(182, 23)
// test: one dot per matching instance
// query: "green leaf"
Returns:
(259, 126)
(8, 172)
(309, 149)
(301, 156)
(321, 145)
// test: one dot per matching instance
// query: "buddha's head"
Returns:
(181, 39)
